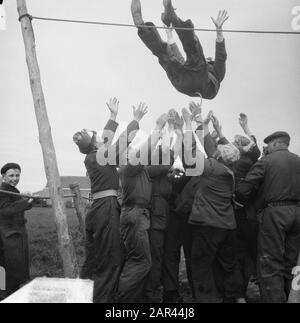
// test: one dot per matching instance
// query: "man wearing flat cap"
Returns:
(277, 177)
(14, 253)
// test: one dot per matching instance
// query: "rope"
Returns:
(36, 197)
(160, 27)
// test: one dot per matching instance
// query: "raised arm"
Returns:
(219, 22)
(252, 149)
(221, 54)
(218, 128)
(173, 46)
(113, 155)
(111, 126)
(193, 158)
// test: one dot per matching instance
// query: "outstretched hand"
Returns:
(178, 124)
(208, 118)
(195, 109)
(243, 120)
(113, 106)
(187, 117)
(161, 121)
(140, 112)
(220, 20)
(217, 126)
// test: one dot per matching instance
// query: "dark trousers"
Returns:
(14, 258)
(214, 247)
(247, 233)
(153, 289)
(191, 77)
(278, 251)
(103, 248)
(178, 234)
(135, 224)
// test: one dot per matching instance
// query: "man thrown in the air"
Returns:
(196, 75)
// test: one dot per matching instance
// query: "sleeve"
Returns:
(209, 166)
(210, 146)
(109, 132)
(131, 171)
(186, 148)
(252, 182)
(8, 208)
(176, 52)
(223, 141)
(118, 149)
(220, 60)
(193, 159)
(255, 152)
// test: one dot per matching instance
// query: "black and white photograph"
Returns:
(149, 154)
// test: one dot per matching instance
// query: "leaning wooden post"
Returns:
(294, 297)
(66, 248)
(79, 207)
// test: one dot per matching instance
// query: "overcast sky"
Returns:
(83, 66)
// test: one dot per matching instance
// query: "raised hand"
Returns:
(214, 135)
(217, 126)
(113, 106)
(172, 116)
(220, 20)
(140, 112)
(243, 120)
(209, 118)
(187, 117)
(178, 125)
(161, 121)
(195, 109)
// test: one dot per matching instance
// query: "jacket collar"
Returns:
(7, 187)
(280, 149)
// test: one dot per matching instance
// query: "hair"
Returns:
(282, 141)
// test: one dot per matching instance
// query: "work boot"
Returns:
(136, 10)
(169, 16)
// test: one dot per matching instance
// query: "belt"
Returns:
(284, 203)
(139, 206)
(103, 194)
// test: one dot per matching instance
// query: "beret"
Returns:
(9, 166)
(85, 142)
(275, 135)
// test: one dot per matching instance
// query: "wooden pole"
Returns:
(79, 207)
(66, 248)
(294, 297)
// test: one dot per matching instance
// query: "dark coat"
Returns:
(14, 241)
(277, 176)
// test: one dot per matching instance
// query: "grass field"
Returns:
(43, 241)
(44, 254)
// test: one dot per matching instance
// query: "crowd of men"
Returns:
(233, 211)
(235, 214)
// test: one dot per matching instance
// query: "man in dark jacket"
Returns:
(135, 219)
(246, 215)
(277, 177)
(212, 217)
(195, 75)
(178, 236)
(160, 211)
(103, 249)
(13, 234)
